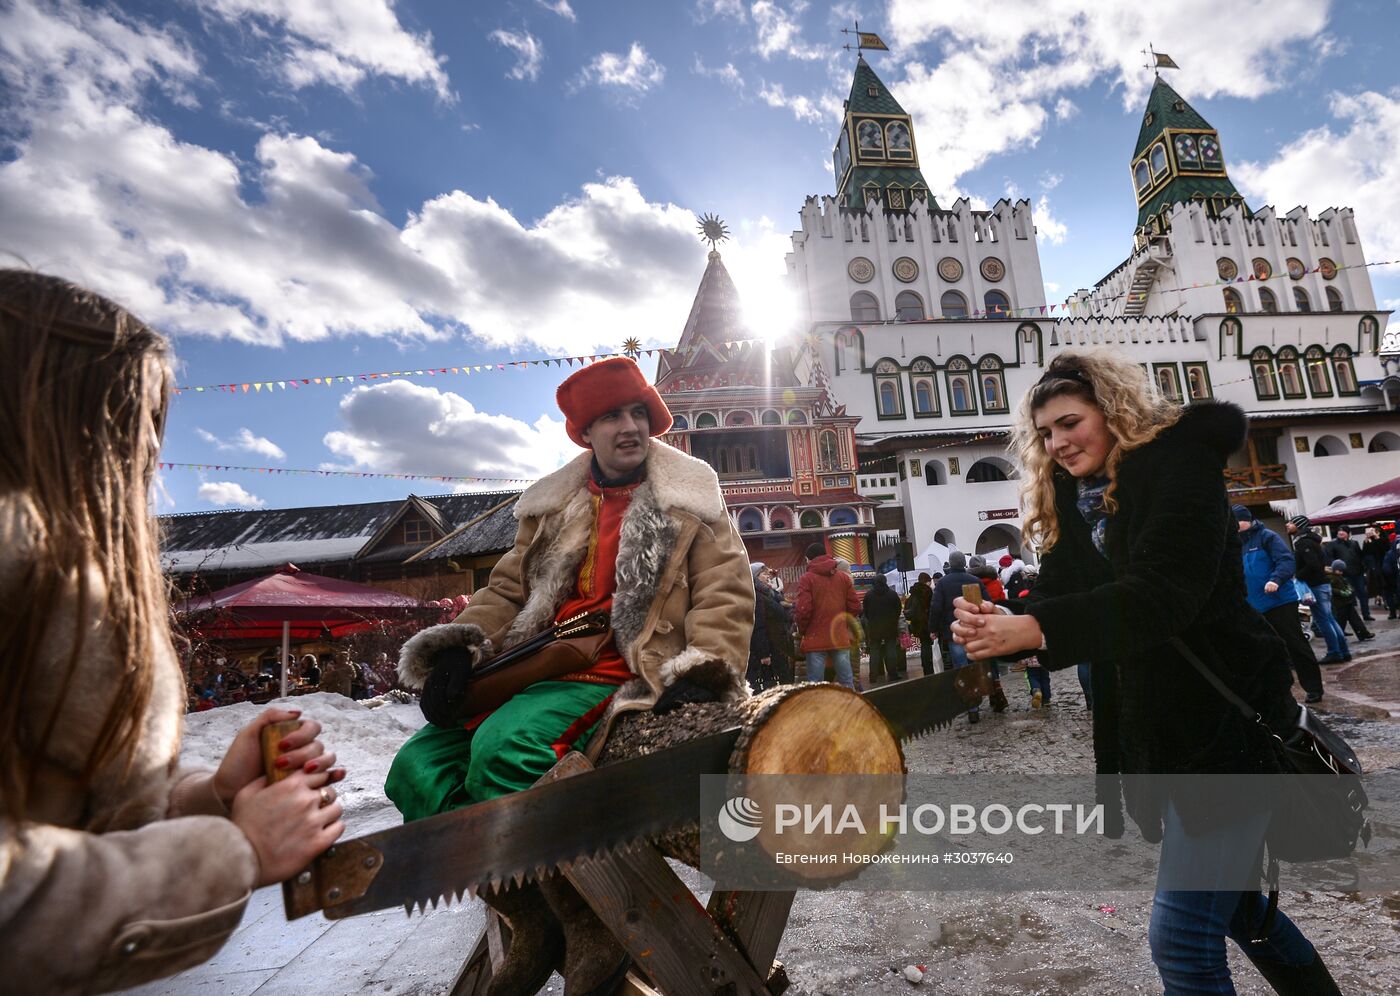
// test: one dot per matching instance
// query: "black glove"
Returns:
(445, 691)
(681, 692)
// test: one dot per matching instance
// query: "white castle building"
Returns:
(928, 323)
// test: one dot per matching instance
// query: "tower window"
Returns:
(1158, 158)
(1301, 299)
(909, 307)
(1167, 382)
(1319, 380)
(1261, 365)
(864, 307)
(1198, 382)
(1343, 370)
(1142, 178)
(826, 452)
(1334, 300)
(1233, 305)
(889, 398)
(1268, 304)
(998, 304)
(953, 305)
(960, 394)
(924, 388)
(1290, 373)
(870, 138)
(898, 141)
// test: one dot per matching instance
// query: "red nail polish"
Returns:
(282, 762)
(310, 766)
(283, 745)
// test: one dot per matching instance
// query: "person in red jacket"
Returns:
(826, 602)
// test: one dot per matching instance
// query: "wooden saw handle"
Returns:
(973, 593)
(269, 738)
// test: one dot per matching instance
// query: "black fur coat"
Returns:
(1171, 567)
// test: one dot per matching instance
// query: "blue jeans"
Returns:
(840, 660)
(1326, 622)
(1038, 680)
(1085, 683)
(1188, 929)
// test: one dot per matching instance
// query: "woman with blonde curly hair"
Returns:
(115, 866)
(1125, 496)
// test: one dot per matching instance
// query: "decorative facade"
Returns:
(785, 455)
(1216, 301)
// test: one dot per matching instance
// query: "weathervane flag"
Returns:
(870, 40)
(1165, 61)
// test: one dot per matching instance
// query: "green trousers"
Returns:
(442, 768)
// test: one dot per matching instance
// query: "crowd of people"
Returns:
(219, 681)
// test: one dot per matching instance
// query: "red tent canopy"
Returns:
(1380, 501)
(313, 605)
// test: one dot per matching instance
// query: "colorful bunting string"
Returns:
(300, 472)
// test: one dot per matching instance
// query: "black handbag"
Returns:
(1315, 818)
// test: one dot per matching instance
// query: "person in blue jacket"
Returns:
(1268, 578)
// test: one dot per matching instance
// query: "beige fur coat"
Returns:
(684, 596)
(138, 878)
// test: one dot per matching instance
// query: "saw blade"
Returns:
(518, 836)
(921, 705)
(531, 833)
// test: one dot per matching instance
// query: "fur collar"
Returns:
(678, 482)
(1217, 425)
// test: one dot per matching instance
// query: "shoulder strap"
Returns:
(1244, 707)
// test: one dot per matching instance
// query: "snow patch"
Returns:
(364, 739)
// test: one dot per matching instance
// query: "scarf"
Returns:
(1090, 505)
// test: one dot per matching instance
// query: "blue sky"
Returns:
(294, 188)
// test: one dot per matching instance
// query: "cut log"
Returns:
(806, 729)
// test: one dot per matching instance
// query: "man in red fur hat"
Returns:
(633, 527)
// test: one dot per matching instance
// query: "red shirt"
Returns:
(597, 579)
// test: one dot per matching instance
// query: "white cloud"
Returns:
(246, 441)
(1004, 77)
(706, 9)
(636, 71)
(1047, 227)
(824, 108)
(780, 34)
(529, 53)
(337, 42)
(1355, 164)
(228, 493)
(290, 243)
(406, 428)
(726, 73)
(560, 7)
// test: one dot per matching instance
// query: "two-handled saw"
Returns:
(536, 831)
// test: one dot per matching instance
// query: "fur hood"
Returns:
(679, 482)
(1218, 426)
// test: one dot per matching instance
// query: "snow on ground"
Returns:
(364, 740)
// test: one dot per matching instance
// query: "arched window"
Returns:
(847, 347)
(1261, 365)
(998, 304)
(1141, 177)
(750, 520)
(1158, 155)
(1268, 304)
(738, 418)
(1301, 299)
(1290, 373)
(889, 399)
(992, 383)
(1233, 305)
(1167, 383)
(953, 305)
(842, 517)
(1384, 442)
(987, 470)
(1343, 371)
(679, 422)
(780, 520)
(923, 388)
(909, 307)
(1329, 446)
(1334, 300)
(935, 473)
(797, 418)
(705, 421)
(1319, 380)
(864, 307)
(770, 417)
(826, 451)
(811, 520)
(961, 397)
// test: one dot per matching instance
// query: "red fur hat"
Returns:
(608, 384)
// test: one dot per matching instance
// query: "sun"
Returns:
(712, 230)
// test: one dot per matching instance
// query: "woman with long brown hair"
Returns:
(1124, 495)
(115, 866)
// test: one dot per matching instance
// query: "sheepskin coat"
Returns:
(1171, 567)
(136, 878)
(684, 596)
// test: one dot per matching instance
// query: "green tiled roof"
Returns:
(860, 101)
(882, 176)
(1183, 188)
(1161, 106)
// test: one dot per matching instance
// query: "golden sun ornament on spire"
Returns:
(712, 230)
(632, 347)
